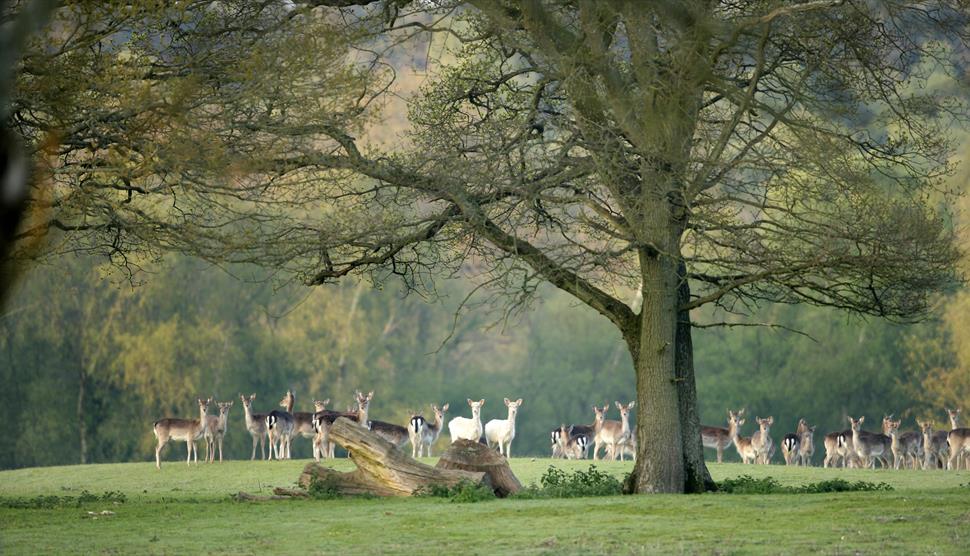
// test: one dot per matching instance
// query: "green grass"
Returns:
(188, 509)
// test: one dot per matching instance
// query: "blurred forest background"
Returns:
(89, 361)
(90, 357)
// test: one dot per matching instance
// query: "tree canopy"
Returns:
(698, 153)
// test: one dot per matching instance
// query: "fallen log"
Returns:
(382, 469)
(468, 455)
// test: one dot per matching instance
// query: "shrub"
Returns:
(745, 484)
(464, 492)
(323, 489)
(556, 483)
(48, 502)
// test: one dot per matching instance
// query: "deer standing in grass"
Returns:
(215, 431)
(302, 420)
(869, 446)
(761, 440)
(958, 440)
(935, 448)
(187, 430)
(741, 443)
(502, 431)
(424, 434)
(256, 425)
(610, 433)
(463, 428)
(806, 443)
(279, 428)
(791, 444)
(718, 438)
(324, 418)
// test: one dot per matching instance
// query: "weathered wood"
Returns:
(382, 469)
(468, 455)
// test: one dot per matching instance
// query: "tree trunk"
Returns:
(81, 427)
(469, 455)
(696, 476)
(382, 469)
(660, 449)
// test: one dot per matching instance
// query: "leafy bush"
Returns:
(464, 492)
(745, 484)
(556, 483)
(49, 502)
(323, 489)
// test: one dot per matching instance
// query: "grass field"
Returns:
(188, 510)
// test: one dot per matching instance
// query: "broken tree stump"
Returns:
(382, 469)
(468, 455)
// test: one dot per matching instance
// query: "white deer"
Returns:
(502, 431)
(463, 428)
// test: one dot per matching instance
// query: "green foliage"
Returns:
(556, 483)
(54, 501)
(746, 484)
(463, 492)
(323, 489)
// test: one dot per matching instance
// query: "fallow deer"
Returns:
(806, 443)
(463, 428)
(869, 446)
(741, 443)
(502, 431)
(255, 424)
(395, 434)
(935, 448)
(215, 431)
(610, 433)
(572, 445)
(717, 438)
(761, 440)
(424, 434)
(958, 440)
(187, 430)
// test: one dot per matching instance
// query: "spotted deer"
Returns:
(280, 427)
(761, 440)
(608, 433)
(717, 438)
(806, 443)
(302, 420)
(935, 448)
(572, 444)
(958, 440)
(869, 446)
(215, 431)
(463, 428)
(323, 419)
(255, 424)
(554, 434)
(424, 434)
(187, 430)
(741, 443)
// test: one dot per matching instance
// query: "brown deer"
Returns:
(188, 430)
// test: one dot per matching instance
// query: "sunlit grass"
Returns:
(183, 509)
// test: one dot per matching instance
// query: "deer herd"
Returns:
(853, 447)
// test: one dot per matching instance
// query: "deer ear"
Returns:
(862, 419)
(507, 402)
(518, 401)
(444, 407)
(469, 401)
(252, 397)
(481, 401)
(632, 404)
(619, 405)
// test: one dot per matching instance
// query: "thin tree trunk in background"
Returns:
(81, 428)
